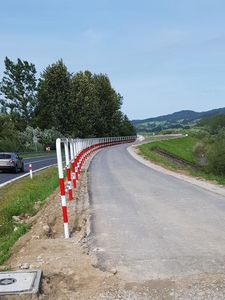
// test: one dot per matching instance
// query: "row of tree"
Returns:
(74, 105)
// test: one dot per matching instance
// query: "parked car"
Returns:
(11, 161)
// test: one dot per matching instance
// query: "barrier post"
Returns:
(62, 187)
(79, 149)
(76, 152)
(72, 159)
(68, 171)
(31, 171)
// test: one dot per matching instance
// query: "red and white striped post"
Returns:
(31, 171)
(72, 159)
(75, 150)
(68, 171)
(62, 185)
(79, 150)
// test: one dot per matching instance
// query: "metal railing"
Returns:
(77, 151)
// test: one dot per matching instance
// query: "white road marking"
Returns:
(24, 175)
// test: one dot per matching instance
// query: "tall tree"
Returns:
(53, 98)
(110, 103)
(126, 127)
(18, 86)
(84, 105)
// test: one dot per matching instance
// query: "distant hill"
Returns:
(181, 119)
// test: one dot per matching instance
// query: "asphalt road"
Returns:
(150, 225)
(37, 163)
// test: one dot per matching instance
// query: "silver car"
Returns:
(11, 161)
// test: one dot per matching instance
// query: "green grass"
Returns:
(36, 154)
(180, 148)
(19, 198)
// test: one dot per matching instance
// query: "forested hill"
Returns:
(180, 119)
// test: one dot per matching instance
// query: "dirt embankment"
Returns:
(68, 270)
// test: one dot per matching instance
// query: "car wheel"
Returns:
(22, 168)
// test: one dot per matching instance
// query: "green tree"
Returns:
(127, 128)
(48, 137)
(216, 158)
(53, 98)
(18, 86)
(9, 135)
(84, 105)
(213, 124)
(109, 104)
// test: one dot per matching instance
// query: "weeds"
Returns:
(20, 198)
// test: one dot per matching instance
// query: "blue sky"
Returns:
(162, 55)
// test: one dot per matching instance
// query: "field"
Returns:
(180, 148)
(177, 154)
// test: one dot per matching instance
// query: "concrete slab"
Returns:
(20, 282)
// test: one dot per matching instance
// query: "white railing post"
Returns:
(62, 187)
(68, 171)
(31, 171)
(72, 159)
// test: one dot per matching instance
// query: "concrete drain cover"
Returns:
(20, 282)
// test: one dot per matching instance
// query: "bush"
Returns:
(199, 153)
(216, 158)
(10, 144)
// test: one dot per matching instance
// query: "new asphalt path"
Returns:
(149, 225)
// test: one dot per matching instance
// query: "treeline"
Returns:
(210, 149)
(35, 111)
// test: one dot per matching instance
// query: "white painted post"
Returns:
(62, 187)
(31, 171)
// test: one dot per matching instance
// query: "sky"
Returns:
(161, 55)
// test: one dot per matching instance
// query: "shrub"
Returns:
(199, 153)
(216, 158)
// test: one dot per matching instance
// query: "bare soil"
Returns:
(70, 271)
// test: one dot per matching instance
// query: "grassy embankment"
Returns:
(20, 198)
(182, 149)
(37, 154)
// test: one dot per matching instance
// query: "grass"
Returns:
(19, 198)
(36, 154)
(182, 149)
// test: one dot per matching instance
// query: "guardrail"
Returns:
(77, 151)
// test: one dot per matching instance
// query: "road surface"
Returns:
(149, 225)
(37, 163)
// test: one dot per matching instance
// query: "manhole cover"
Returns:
(19, 282)
(7, 281)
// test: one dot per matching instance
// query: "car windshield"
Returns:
(5, 156)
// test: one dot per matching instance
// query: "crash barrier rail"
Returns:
(77, 151)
